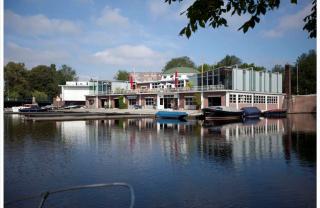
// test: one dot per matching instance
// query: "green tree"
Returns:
(307, 66)
(44, 79)
(255, 68)
(229, 60)
(40, 96)
(213, 13)
(206, 67)
(16, 83)
(278, 68)
(184, 61)
(66, 73)
(197, 100)
(122, 75)
(122, 103)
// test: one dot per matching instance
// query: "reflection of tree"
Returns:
(303, 144)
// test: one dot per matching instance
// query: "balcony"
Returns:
(160, 90)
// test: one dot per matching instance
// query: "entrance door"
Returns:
(214, 101)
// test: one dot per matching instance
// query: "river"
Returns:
(262, 163)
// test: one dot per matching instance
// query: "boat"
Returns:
(171, 121)
(16, 109)
(33, 108)
(275, 113)
(222, 113)
(171, 114)
(251, 112)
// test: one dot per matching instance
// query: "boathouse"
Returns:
(185, 88)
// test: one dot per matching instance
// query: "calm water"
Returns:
(265, 163)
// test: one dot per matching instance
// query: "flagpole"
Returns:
(297, 79)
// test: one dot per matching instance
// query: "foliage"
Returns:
(16, 83)
(122, 75)
(307, 67)
(197, 100)
(43, 78)
(278, 68)
(184, 61)
(66, 73)
(40, 96)
(189, 85)
(21, 82)
(229, 60)
(213, 13)
(122, 103)
(255, 68)
(206, 67)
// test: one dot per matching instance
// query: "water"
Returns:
(265, 163)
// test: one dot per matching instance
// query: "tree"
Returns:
(278, 68)
(255, 68)
(40, 96)
(122, 75)
(43, 78)
(66, 73)
(184, 61)
(206, 67)
(229, 60)
(307, 67)
(212, 13)
(16, 83)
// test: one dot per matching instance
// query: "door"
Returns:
(214, 101)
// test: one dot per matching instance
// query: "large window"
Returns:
(149, 101)
(189, 101)
(244, 98)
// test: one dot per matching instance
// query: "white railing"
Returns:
(162, 90)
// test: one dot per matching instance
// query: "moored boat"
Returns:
(222, 113)
(171, 114)
(275, 113)
(251, 112)
(33, 108)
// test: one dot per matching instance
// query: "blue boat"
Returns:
(251, 112)
(171, 121)
(171, 114)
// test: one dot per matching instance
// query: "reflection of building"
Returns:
(179, 87)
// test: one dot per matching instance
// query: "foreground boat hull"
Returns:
(212, 114)
(171, 115)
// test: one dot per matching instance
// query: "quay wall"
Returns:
(301, 104)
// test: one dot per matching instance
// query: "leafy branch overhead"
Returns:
(212, 13)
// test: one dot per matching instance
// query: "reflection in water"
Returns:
(151, 154)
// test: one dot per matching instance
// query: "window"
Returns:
(232, 98)
(161, 101)
(259, 99)
(189, 101)
(181, 83)
(149, 101)
(132, 101)
(272, 99)
(155, 85)
(143, 87)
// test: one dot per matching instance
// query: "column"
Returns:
(265, 97)
(202, 100)
(227, 99)
(237, 103)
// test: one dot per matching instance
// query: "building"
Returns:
(178, 88)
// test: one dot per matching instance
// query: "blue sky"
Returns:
(97, 38)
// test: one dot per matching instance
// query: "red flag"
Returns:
(131, 82)
(176, 81)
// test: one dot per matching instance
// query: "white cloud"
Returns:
(130, 55)
(33, 57)
(112, 17)
(288, 22)
(38, 24)
(161, 9)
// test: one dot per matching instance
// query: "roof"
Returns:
(181, 70)
(146, 76)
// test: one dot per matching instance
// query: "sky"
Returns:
(97, 38)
